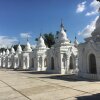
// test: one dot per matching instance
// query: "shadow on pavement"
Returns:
(89, 97)
(72, 77)
(34, 72)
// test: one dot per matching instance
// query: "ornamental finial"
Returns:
(75, 37)
(62, 26)
(27, 38)
(40, 34)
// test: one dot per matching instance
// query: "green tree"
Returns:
(2, 49)
(15, 46)
(49, 39)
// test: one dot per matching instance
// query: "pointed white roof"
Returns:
(98, 23)
(76, 42)
(0, 53)
(62, 36)
(96, 32)
(7, 52)
(3, 53)
(19, 49)
(12, 50)
(40, 42)
(28, 47)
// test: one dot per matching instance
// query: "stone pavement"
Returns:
(28, 85)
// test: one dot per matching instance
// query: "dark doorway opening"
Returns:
(92, 64)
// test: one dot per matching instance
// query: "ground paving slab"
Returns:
(29, 85)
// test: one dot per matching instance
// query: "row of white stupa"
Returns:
(56, 58)
(9, 57)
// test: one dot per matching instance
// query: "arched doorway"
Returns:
(40, 62)
(0, 61)
(32, 62)
(16, 62)
(92, 64)
(52, 63)
(45, 62)
(26, 62)
(4, 62)
(71, 63)
(8, 62)
(64, 60)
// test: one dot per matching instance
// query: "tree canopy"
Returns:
(2, 49)
(14, 46)
(49, 39)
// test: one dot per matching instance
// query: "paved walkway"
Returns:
(21, 85)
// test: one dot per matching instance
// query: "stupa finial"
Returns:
(27, 38)
(75, 37)
(19, 42)
(62, 26)
(40, 34)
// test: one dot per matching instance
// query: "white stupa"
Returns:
(12, 50)
(76, 43)
(28, 47)
(19, 49)
(89, 55)
(96, 32)
(7, 52)
(62, 36)
(40, 43)
(0, 53)
(3, 53)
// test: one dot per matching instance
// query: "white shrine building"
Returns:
(89, 55)
(61, 58)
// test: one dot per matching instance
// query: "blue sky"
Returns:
(18, 17)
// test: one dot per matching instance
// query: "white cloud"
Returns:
(81, 7)
(25, 35)
(91, 13)
(6, 41)
(95, 6)
(86, 32)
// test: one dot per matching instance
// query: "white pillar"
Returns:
(28, 63)
(67, 67)
(24, 66)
